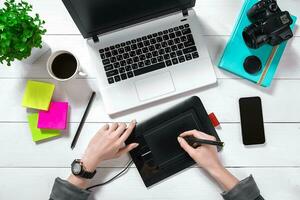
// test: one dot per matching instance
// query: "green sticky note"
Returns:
(38, 95)
(40, 134)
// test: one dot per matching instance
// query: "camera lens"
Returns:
(249, 37)
(253, 36)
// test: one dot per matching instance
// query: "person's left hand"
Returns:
(108, 143)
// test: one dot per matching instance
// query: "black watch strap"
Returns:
(87, 175)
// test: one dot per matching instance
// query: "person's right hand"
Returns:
(206, 156)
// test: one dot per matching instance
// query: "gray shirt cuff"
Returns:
(245, 190)
(63, 190)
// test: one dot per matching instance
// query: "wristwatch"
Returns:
(79, 170)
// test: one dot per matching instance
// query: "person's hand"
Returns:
(206, 156)
(108, 143)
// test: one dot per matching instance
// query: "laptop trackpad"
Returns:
(154, 86)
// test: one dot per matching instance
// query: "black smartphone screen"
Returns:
(252, 121)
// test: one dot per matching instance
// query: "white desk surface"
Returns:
(27, 170)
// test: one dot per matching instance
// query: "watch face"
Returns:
(76, 168)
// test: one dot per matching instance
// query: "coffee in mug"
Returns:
(63, 66)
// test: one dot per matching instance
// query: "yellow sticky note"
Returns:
(40, 134)
(38, 95)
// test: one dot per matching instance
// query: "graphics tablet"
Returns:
(159, 154)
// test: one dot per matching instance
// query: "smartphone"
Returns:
(252, 122)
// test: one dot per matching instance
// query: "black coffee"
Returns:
(64, 66)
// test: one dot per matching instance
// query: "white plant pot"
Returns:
(36, 53)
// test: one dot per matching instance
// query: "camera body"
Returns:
(269, 25)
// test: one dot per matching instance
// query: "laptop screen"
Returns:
(99, 16)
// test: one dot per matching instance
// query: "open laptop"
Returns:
(143, 50)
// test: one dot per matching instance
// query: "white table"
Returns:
(27, 170)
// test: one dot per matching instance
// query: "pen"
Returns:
(195, 142)
(83, 120)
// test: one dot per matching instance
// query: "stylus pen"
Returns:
(83, 120)
(198, 142)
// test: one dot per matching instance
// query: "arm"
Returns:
(206, 156)
(108, 143)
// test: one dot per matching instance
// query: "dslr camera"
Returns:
(269, 25)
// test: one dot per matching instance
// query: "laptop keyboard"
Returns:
(149, 53)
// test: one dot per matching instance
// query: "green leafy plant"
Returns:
(19, 32)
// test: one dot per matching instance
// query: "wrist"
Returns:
(225, 179)
(78, 181)
(216, 171)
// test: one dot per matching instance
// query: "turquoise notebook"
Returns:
(236, 51)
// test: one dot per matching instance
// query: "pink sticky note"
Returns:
(55, 118)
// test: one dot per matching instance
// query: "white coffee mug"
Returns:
(55, 55)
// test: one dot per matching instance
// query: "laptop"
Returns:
(143, 50)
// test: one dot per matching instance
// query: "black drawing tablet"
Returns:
(159, 155)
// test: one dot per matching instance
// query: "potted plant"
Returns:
(20, 33)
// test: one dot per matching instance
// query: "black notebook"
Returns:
(159, 154)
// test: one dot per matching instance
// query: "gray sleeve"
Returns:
(245, 190)
(63, 190)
